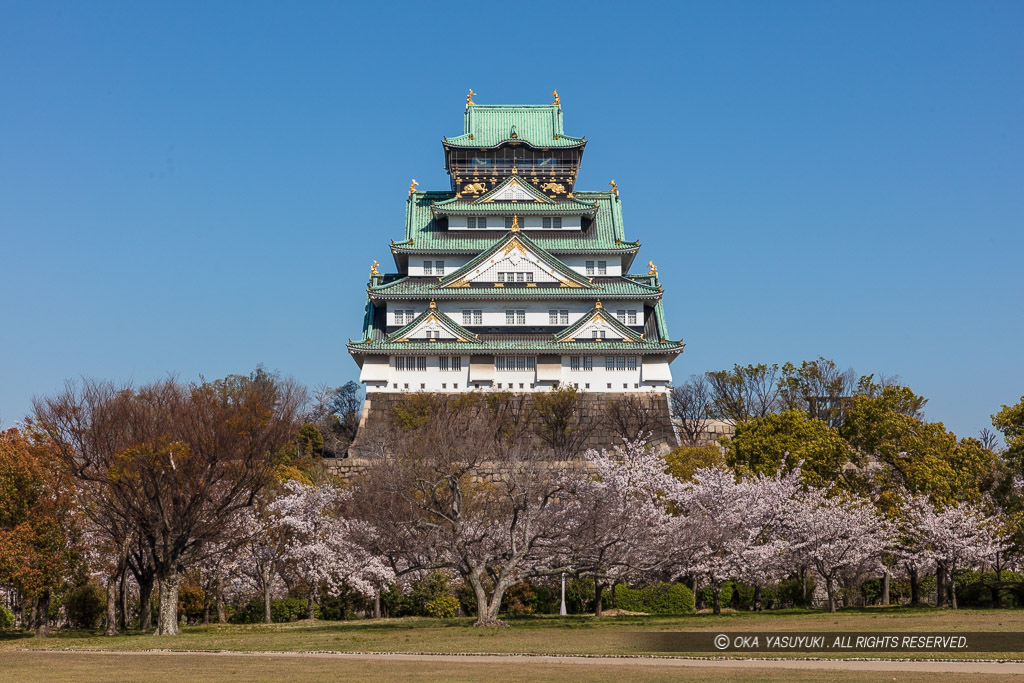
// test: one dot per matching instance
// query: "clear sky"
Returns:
(197, 188)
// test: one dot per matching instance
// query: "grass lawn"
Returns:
(30, 667)
(533, 635)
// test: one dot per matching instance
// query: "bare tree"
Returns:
(745, 392)
(989, 439)
(174, 460)
(462, 486)
(691, 404)
(558, 421)
(633, 416)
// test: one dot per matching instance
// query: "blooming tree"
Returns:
(954, 536)
(320, 541)
(615, 515)
(835, 534)
(730, 528)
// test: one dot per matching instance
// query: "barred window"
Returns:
(508, 222)
(621, 315)
(442, 363)
(403, 317)
(515, 363)
(558, 317)
(411, 363)
(609, 363)
(588, 363)
(590, 267)
(421, 363)
(574, 363)
(602, 267)
(515, 317)
(449, 363)
(477, 223)
(478, 317)
(439, 267)
(631, 362)
(552, 223)
(619, 363)
(428, 267)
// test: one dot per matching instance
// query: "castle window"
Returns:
(515, 363)
(472, 317)
(476, 223)
(515, 317)
(602, 267)
(590, 267)
(439, 267)
(631, 316)
(631, 362)
(588, 363)
(403, 316)
(508, 222)
(552, 223)
(574, 363)
(597, 334)
(428, 268)
(558, 317)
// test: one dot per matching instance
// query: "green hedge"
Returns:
(657, 598)
(281, 611)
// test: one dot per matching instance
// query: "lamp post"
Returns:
(561, 611)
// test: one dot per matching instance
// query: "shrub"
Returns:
(428, 589)
(286, 610)
(443, 607)
(467, 599)
(789, 592)
(191, 602)
(579, 596)
(520, 599)
(724, 597)
(6, 618)
(657, 598)
(85, 605)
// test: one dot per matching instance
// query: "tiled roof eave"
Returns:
(618, 249)
(443, 347)
(516, 294)
(563, 142)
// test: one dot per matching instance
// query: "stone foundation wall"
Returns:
(652, 415)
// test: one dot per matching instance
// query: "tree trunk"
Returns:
(830, 589)
(915, 588)
(311, 614)
(999, 580)
(111, 629)
(615, 599)
(952, 587)
(145, 603)
(757, 598)
(167, 621)
(716, 594)
(206, 608)
(940, 585)
(222, 615)
(598, 590)
(42, 610)
(266, 595)
(885, 588)
(486, 610)
(122, 595)
(698, 598)
(803, 586)
(376, 604)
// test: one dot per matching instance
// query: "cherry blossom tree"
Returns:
(615, 517)
(320, 542)
(953, 536)
(836, 533)
(462, 485)
(730, 528)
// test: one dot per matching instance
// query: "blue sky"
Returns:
(196, 188)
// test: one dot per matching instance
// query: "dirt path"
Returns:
(876, 665)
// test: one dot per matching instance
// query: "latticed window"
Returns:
(411, 363)
(515, 363)
(552, 223)
(574, 363)
(404, 316)
(439, 267)
(597, 334)
(559, 317)
(590, 267)
(476, 223)
(602, 267)
(428, 267)
(631, 316)
(515, 316)
(508, 222)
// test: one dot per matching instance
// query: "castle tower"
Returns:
(512, 279)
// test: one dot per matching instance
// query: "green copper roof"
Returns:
(529, 345)
(426, 234)
(489, 125)
(458, 330)
(585, 319)
(581, 280)
(425, 288)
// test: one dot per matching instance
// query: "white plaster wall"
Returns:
(579, 264)
(597, 380)
(451, 264)
(569, 223)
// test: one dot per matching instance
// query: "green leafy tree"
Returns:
(784, 441)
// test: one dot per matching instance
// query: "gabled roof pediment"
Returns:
(441, 327)
(516, 253)
(513, 189)
(597, 320)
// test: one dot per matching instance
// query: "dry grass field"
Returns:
(282, 650)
